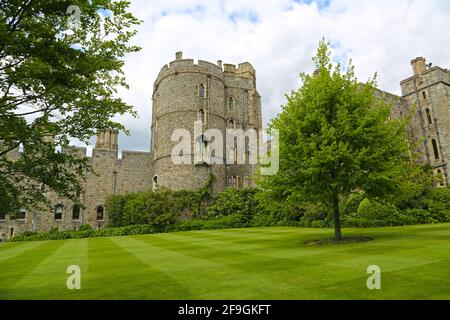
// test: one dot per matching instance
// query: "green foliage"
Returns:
(85, 227)
(68, 79)
(335, 137)
(352, 203)
(161, 209)
(233, 202)
(437, 204)
(373, 213)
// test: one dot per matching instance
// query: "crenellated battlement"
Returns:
(244, 70)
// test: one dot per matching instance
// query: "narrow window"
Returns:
(230, 103)
(435, 149)
(11, 233)
(76, 212)
(424, 96)
(232, 154)
(441, 178)
(430, 120)
(247, 151)
(201, 115)
(58, 212)
(100, 213)
(230, 181)
(201, 91)
(155, 183)
(230, 124)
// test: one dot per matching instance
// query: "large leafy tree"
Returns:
(60, 67)
(336, 137)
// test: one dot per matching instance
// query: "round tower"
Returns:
(185, 92)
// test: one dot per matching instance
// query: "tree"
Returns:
(60, 68)
(336, 137)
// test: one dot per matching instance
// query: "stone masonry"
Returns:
(220, 96)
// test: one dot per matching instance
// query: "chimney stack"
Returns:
(419, 66)
(178, 56)
(107, 139)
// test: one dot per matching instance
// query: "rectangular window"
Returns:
(58, 212)
(22, 213)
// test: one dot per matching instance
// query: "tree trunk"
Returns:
(337, 218)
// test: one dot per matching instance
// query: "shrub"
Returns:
(233, 202)
(437, 203)
(85, 227)
(352, 203)
(372, 213)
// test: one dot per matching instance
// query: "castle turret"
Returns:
(214, 94)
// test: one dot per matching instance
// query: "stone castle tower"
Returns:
(220, 97)
(428, 91)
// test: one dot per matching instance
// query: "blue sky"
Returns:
(279, 37)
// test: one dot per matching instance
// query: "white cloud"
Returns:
(279, 38)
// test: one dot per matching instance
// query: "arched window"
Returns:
(435, 149)
(100, 213)
(424, 95)
(430, 120)
(230, 103)
(201, 115)
(230, 124)
(201, 145)
(155, 183)
(76, 209)
(58, 212)
(201, 90)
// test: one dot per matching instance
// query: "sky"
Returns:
(279, 38)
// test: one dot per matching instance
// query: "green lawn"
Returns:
(266, 263)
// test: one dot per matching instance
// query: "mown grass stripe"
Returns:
(19, 266)
(17, 249)
(38, 282)
(114, 272)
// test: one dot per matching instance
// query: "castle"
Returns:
(219, 96)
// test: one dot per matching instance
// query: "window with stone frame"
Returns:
(21, 214)
(202, 116)
(201, 90)
(100, 213)
(435, 149)
(58, 212)
(230, 103)
(76, 211)
(155, 183)
(429, 118)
